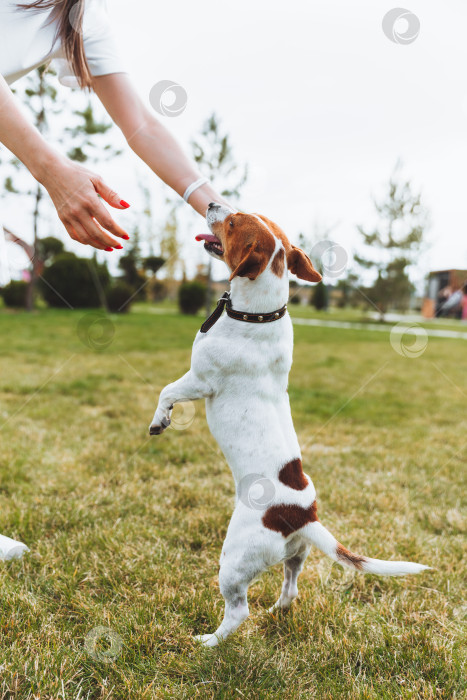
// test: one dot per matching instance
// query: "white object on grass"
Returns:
(11, 549)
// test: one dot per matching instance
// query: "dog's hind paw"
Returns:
(207, 640)
(280, 605)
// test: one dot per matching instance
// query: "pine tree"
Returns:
(390, 248)
(87, 133)
(213, 151)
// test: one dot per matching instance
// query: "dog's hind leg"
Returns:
(235, 576)
(292, 569)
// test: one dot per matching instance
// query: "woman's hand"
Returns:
(74, 191)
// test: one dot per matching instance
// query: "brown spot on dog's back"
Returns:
(278, 264)
(287, 519)
(292, 475)
(349, 557)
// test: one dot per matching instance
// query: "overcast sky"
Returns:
(319, 103)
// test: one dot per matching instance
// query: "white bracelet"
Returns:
(194, 186)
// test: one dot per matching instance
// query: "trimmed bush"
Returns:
(73, 281)
(14, 294)
(319, 297)
(49, 248)
(119, 297)
(157, 290)
(153, 263)
(191, 297)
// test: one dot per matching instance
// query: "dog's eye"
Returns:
(231, 223)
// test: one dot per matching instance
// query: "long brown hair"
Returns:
(69, 17)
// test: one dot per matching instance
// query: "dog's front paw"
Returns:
(207, 640)
(158, 427)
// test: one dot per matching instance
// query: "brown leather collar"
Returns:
(225, 303)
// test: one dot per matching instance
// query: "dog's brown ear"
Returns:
(300, 264)
(252, 264)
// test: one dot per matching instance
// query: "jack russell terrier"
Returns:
(240, 364)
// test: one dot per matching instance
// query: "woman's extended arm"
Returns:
(150, 140)
(73, 189)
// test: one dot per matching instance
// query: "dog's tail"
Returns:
(317, 534)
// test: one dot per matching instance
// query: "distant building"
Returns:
(440, 285)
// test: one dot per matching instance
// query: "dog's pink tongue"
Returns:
(207, 237)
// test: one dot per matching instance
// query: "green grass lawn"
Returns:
(126, 531)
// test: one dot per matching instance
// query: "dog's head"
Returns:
(247, 243)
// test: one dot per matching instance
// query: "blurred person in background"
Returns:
(464, 302)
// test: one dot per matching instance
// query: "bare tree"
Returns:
(41, 98)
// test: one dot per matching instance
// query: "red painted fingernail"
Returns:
(119, 247)
(109, 250)
(124, 204)
(127, 238)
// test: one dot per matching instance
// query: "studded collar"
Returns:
(246, 316)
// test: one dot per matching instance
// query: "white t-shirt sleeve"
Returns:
(99, 45)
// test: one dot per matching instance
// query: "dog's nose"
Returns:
(212, 205)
